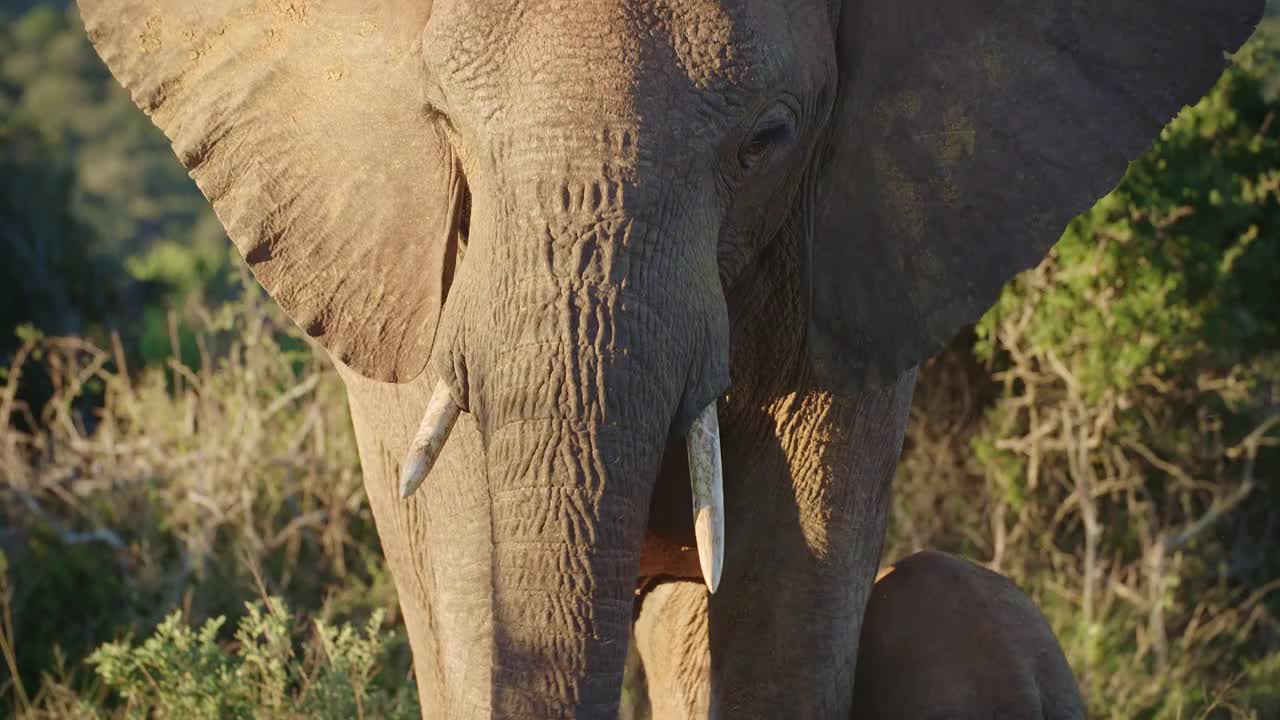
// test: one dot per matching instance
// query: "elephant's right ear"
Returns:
(303, 123)
(966, 135)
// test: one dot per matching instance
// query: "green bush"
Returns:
(182, 673)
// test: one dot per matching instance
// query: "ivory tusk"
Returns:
(437, 422)
(706, 477)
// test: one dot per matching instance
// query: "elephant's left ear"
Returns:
(303, 124)
(966, 135)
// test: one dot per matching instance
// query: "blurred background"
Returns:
(183, 531)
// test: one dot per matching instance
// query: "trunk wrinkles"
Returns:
(576, 402)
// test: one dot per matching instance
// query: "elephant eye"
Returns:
(776, 127)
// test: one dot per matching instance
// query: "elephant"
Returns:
(627, 293)
(943, 637)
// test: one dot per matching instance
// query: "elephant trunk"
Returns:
(577, 427)
(586, 325)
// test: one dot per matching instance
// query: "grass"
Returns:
(192, 488)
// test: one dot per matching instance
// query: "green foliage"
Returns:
(183, 673)
(97, 219)
(80, 596)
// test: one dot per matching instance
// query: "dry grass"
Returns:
(197, 485)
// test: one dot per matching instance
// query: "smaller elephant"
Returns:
(944, 638)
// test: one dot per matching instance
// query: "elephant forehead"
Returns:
(625, 58)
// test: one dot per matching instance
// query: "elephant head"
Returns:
(546, 212)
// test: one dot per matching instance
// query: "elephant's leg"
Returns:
(437, 545)
(807, 494)
(943, 637)
(807, 476)
(671, 636)
(806, 505)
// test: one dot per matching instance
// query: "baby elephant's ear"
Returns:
(303, 124)
(967, 134)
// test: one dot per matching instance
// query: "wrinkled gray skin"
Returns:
(945, 638)
(590, 219)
